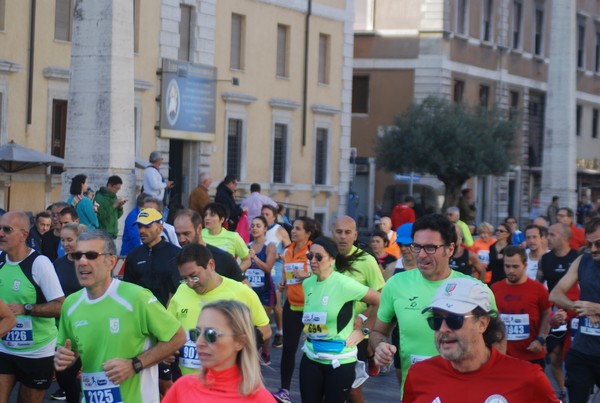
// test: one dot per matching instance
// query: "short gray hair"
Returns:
(109, 247)
(453, 210)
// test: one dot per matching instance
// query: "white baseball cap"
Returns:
(460, 296)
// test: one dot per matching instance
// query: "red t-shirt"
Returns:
(221, 387)
(577, 238)
(402, 214)
(506, 378)
(521, 307)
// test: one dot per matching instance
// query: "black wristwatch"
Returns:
(28, 308)
(541, 340)
(366, 331)
(137, 365)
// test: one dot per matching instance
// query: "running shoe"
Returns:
(278, 341)
(59, 395)
(265, 358)
(282, 396)
(373, 368)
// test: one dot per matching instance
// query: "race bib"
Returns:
(21, 335)
(517, 326)
(289, 272)
(256, 278)
(97, 388)
(574, 327)
(586, 327)
(484, 256)
(418, 358)
(315, 325)
(188, 355)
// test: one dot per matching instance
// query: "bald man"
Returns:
(34, 295)
(386, 226)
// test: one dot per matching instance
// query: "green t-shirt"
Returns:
(366, 271)
(404, 296)
(325, 302)
(122, 323)
(186, 305)
(228, 241)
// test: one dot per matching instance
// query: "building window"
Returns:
(280, 153)
(578, 113)
(580, 42)
(516, 24)
(538, 38)
(62, 20)
(321, 157)
(484, 96)
(462, 17)
(595, 123)
(185, 30)
(136, 26)
(283, 50)
(237, 42)
(320, 218)
(234, 147)
(459, 89)
(324, 58)
(486, 20)
(514, 104)
(59, 130)
(2, 12)
(597, 51)
(360, 94)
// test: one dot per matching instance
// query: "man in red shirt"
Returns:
(403, 213)
(465, 329)
(524, 308)
(565, 215)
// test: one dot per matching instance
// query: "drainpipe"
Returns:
(31, 60)
(305, 94)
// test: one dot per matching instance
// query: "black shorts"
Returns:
(164, 371)
(35, 373)
(555, 339)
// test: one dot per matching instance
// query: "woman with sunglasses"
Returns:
(215, 234)
(83, 205)
(327, 369)
(226, 349)
(296, 269)
(65, 270)
(495, 270)
(262, 257)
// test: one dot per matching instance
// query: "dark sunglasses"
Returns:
(453, 322)
(210, 335)
(6, 229)
(310, 256)
(596, 244)
(91, 255)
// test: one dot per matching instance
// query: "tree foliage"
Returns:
(451, 141)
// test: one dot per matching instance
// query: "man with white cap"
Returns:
(154, 182)
(469, 369)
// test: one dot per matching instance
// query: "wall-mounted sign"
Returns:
(188, 97)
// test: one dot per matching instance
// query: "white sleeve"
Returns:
(153, 178)
(44, 275)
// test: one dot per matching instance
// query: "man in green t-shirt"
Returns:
(202, 285)
(406, 294)
(120, 330)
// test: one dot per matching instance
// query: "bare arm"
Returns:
(284, 237)
(378, 340)
(245, 263)
(50, 309)
(266, 332)
(559, 293)
(477, 265)
(266, 266)
(536, 346)
(7, 319)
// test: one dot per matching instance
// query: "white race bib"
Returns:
(586, 327)
(315, 325)
(21, 335)
(418, 358)
(256, 278)
(97, 388)
(517, 326)
(289, 272)
(188, 355)
(484, 256)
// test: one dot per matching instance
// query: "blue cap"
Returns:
(404, 234)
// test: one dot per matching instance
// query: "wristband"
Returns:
(541, 340)
(137, 365)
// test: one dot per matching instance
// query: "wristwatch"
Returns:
(28, 308)
(366, 331)
(137, 365)
(541, 339)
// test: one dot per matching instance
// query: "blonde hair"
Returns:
(486, 227)
(75, 227)
(239, 319)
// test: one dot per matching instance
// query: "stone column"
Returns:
(100, 138)
(559, 172)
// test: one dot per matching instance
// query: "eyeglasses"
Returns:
(6, 229)
(187, 280)
(91, 255)
(595, 244)
(454, 322)
(210, 335)
(501, 230)
(429, 249)
(318, 256)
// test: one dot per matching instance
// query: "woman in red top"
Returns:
(296, 269)
(227, 351)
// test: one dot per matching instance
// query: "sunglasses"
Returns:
(595, 244)
(91, 255)
(453, 322)
(187, 280)
(210, 335)
(501, 230)
(6, 229)
(318, 256)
